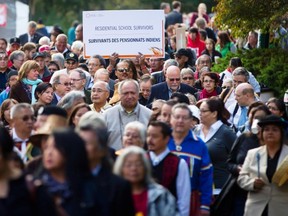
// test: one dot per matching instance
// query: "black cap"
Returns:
(12, 73)
(182, 52)
(52, 110)
(14, 40)
(71, 56)
(272, 120)
(38, 54)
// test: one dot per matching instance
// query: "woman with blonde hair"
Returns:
(23, 91)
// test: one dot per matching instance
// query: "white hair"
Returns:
(78, 45)
(44, 41)
(139, 127)
(118, 166)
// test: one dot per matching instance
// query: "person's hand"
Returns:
(239, 167)
(141, 59)
(113, 59)
(204, 213)
(258, 184)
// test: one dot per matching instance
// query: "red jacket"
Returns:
(197, 45)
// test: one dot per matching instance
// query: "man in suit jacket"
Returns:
(32, 35)
(164, 90)
(61, 86)
(174, 16)
(115, 194)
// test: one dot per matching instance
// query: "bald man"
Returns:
(244, 96)
(172, 84)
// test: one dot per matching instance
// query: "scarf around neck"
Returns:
(34, 84)
(205, 94)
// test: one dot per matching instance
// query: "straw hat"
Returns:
(53, 122)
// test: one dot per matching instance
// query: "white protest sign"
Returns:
(126, 32)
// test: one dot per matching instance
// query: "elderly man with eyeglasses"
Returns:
(61, 86)
(23, 118)
(164, 90)
(99, 95)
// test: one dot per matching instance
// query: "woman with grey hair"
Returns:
(149, 198)
(70, 100)
(187, 76)
(134, 134)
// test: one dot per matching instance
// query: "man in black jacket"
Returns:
(115, 194)
(164, 90)
(31, 35)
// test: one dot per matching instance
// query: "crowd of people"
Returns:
(141, 136)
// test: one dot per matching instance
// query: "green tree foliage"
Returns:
(242, 16)
(63, 12)
(270, 66)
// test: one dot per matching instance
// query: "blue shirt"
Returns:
(195, 153)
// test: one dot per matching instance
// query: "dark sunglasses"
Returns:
(188, 78)
(122, 70)
(174, 79)
(26, 118)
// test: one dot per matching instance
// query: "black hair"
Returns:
(101, 60)
(75, 110)
(216, 104)
(181, 98)
(280, 105)
(83, 66)
(6, 143)
(72, 148)
(53, 63)
(42, 87)
(236, 62)
(165, 129)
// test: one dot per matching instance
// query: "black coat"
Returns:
(21, 201)
(115, 194)
(24, 38)
(161, 91)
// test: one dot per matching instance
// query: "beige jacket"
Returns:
(276, 197)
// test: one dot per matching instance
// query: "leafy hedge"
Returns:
(270, 66)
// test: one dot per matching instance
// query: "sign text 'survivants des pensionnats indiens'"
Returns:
(126, 32)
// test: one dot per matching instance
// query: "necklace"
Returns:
(178, 147)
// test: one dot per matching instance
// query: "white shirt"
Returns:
(212, 130)
(23, 151)
(183, 185)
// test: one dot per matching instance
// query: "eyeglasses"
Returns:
(65, 84)
(93, 65)
(26, 118)
(188, 78)
(20, 60)
(224, 87)
(174, 79)
(70, 63)
(237, 82)
(178, 117)
(204, 62)
(122, 70)
(75, 80)
(204, 111)
(209, 81)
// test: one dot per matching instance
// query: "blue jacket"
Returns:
(195, 153)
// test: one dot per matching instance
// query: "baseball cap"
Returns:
(38, 54)
(14, 40)
(71, 56)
